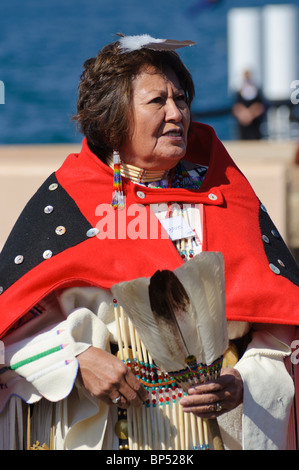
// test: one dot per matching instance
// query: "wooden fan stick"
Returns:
(118, 332)
(149, 437)
(150, 434)
(134, 413)
(123, 353)
(201, 440)
(124, 334)
(193, 428)
(156, 433)
(135, 369)
(216, 434)
(181, 427)
(140, 357)
(205, 430)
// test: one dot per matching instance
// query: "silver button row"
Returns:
(60, 230)
(275, 269)
(20, 258)
(211, 196)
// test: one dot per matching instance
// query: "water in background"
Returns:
(43, 45)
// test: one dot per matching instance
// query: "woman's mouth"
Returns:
(176, 134)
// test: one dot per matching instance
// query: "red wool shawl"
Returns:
(258, 288)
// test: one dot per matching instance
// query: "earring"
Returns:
(117, 195)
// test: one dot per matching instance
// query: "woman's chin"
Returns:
(167, 162)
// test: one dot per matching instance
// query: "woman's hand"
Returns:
(107, 378)
(212, 399)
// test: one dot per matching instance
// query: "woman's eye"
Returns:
(181, 98)
(158, 99)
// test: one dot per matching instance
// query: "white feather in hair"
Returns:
(179, 313)
(133, 43)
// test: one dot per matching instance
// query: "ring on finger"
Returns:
(116, 400)
(218, 407)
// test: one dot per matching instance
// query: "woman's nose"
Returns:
(172, 112)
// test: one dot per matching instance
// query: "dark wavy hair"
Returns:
(104, 111)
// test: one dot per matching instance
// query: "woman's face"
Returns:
(161, 117)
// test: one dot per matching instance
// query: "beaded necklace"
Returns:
(181, 178)
(178, 177)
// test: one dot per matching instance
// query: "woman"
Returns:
(134, 108)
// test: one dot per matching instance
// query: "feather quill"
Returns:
(179, 313)
(204, 282)
(133, 43)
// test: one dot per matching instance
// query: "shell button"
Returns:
(60, 230)
(92, 232)
(47, 254)
(140, 194)
(19, 259)
(48, 209)
(274, 268)
(275, 233)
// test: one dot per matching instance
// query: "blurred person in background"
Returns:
(248, 109)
